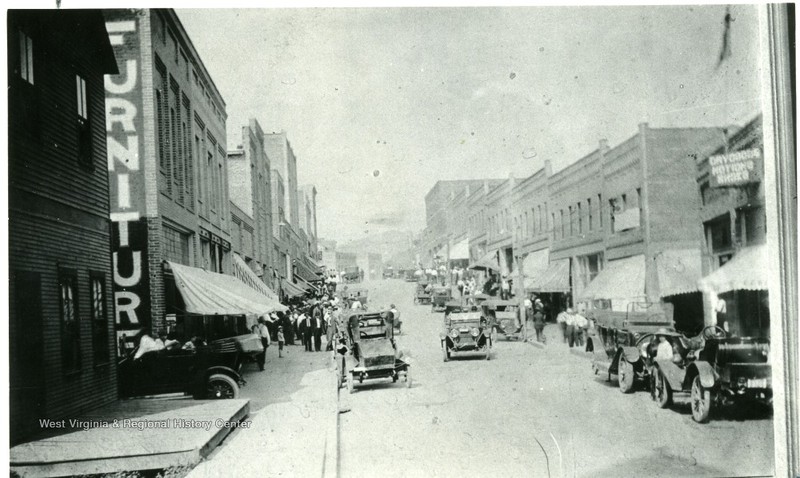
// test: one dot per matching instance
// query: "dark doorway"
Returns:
(26, 349)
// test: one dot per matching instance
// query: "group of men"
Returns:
(573, 326)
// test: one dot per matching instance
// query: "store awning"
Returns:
(554, 279)
(317, 268)
(304, 271)
(460, 250)
(535, 263)
(210, 293)
(489, 261)
(621, 279)
(244, 273)
(308, 286)
(678, 271)
(747, 270)
(292, 290)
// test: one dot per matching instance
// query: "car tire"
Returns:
(445, 353)
(408, 379)
(662, 392)
(701, 401)
(625, 375)
(221, 386)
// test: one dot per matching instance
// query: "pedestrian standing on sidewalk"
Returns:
(581, 324)
(538, 324)
(263, 334)
(561, 320)
(571, 327)
(281, 341)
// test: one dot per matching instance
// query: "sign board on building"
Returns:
(124, 135)
(735, 168)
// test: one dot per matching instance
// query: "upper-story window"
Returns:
(84, 125)
(25, 57)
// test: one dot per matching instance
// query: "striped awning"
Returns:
(244, 273)
(210, 293)
(305, 271)
(554, 279)
(489, 261)
(621, 279)
(747, 270)
(292, 290)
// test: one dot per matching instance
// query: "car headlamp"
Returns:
(475, 332)
(454, 333)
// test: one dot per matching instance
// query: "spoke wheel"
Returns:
(445, 353)
(701, 401)
(221, 386)
(625, 375)
(662, 392)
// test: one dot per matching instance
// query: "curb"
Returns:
(330, 460)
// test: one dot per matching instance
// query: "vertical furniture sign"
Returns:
(124, 126)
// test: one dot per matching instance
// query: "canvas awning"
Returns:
(535, 263)
(678, 271)
(292, 290)
(460, 250)
(621, 279)
(554, 279)
(244, 273)
(489, 261)
(304, 271)
(210, 293)
(747, 270)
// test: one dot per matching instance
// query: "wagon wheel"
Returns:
(625, 375)
(350, 383)
(660, 389)
(701, 401)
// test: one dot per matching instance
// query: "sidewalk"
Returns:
(136, 434)
(294, 433)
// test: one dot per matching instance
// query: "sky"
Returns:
(379, 104)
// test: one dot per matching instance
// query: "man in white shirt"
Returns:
(561, 319)
(356, 304)
(580, 324)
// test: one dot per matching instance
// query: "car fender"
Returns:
(708, 376)
(675, 375)
(631, 354)
(224, 370)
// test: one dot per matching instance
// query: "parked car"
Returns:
(503, 315)
(422, 295)
(439, 297)
(465, 330)
(208, 372)
(724, 371)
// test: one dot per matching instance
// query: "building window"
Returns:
(590, 266)
(176, 246)
(580, 219)
(589, 209)
(600, 210)
(25, 57)
(84, 130)
(99, 319)
(571, 220)
(70, 322)
(614, 208)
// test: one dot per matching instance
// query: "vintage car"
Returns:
(357, 293)
(721, 370)
(465, 330)
(422, 296)
(379, 357)
(440, 295)
(503, 317)
(207, 372)
(616, 338)
(352, 274)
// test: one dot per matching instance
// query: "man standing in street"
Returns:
(581, 324)
(263, 334)
(307, 331)
(562, 323)
(317, 326)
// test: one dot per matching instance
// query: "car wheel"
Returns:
(350, 383)
(662, 392)
(701, 401)
(625, 375)
(445, 353)
(221, 386)
(408, 379)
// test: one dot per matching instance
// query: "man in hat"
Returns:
(561, 320)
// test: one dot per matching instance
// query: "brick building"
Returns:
(734, 230)
(167, 162)
(62, 345)
(250, 189)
